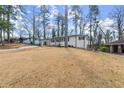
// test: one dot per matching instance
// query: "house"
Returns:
(117, 46)
(78, 41)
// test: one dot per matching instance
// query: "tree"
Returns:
(39, 28)
(1, 24)
(66, 26)
(53, 33)
(93, 20)
(75, 13)
(82, 21)
(10, 13)
(118, 16)
(45, 15)
(34, 25)
(107, 35)
(58, 19)
(62, 26)
(27, 28)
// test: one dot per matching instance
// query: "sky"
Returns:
(105, 16)
(105, 9)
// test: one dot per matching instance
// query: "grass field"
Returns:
(60, 67)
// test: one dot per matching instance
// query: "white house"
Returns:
(79, 41)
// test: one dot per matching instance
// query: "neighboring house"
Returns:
(117, 46)
(78, 41)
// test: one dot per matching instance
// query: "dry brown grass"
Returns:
(60, 67)
(11, 46)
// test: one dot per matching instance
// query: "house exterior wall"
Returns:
(71, 42)
(55, 43)
(81, 43)
(62, 43)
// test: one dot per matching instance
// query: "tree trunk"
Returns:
(58, 28)
(30, 38)
(119, 31)
(2, 37)
(44, 28)
(75, 32)
(33, 25)
(90, 35)
(8, 19)
(66, 26)
(62, 30)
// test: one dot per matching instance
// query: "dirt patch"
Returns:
(11, 46)
(60, 67)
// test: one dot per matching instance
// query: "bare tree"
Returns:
(44, 9)
(62, 26)
(94, 20)
(58, 19)
(108, 35)
(34, 25)
(75, 13)
(118, 16)
(39, 28)
(27, 28)
(82, 21)
(66, 26)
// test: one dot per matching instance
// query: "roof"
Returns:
(118, 42)
(69, 36)
(63, 37)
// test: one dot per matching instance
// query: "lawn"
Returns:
(60, 67)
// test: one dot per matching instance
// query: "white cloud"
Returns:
(54, 11)
(107, 22)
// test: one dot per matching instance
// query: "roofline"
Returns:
(116, 44)
(63, 37)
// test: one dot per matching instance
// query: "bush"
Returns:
(104, 49)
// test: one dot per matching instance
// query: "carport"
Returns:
(117, 46)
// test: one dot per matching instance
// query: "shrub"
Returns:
(104, 49)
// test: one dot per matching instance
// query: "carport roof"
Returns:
(118, 42)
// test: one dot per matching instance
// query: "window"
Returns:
(81, 38)
(52, 40)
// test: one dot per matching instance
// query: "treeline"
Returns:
(41, 22)
(5, 25)
(7, 13)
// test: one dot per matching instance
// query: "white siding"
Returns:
(71, 41)
(80, 42)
